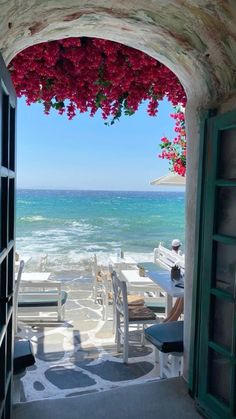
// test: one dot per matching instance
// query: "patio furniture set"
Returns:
(35, 293)
(137, 301)
(141, 301)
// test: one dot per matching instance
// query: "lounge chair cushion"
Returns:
(167, 337)
(135, 300)
(37, 299)
(23, 355)
(141, 313)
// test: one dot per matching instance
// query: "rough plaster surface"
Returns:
(195, 38)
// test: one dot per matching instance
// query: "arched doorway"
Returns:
(197, 42)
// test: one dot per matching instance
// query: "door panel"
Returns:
(215, 375)
(7, 235)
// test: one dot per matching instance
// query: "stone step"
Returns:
(152, 400)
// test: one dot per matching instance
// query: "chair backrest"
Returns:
(105, 277)
(43, 263)
(168, 258)
(16, 293)
(120, 295)
(95, 269)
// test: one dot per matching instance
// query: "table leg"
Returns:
(169, 304)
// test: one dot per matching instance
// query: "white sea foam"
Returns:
(33, 218)
(73, 260)
(94, 247)
(49, 232)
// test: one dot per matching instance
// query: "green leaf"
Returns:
(58, 105)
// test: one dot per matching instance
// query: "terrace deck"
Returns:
(79, 355)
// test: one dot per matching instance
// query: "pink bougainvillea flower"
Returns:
(176, 150)
(77, 75)
(93, 74)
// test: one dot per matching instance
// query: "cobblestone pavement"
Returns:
(79, 355)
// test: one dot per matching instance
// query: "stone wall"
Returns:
(195, 38)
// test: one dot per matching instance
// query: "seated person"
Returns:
(176, 246)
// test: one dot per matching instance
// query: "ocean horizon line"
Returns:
(176, 190)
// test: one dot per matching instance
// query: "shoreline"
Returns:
(70, 271)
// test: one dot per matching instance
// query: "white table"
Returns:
(38, 280)
(163, 279)
(138, 284)
(153, 281)
(35, 276)
(122, 263)
(37, 283)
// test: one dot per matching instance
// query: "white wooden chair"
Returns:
(167, 338)
(166, 258)
(32, 297)
(16, 294)
(97, 279)
(102, 288)
(106, 293)
(126, 315)
(32, 301)
(23, 355)
(43, 263)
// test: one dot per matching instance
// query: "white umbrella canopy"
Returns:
(172, 179)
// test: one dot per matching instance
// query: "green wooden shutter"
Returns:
(213, 379)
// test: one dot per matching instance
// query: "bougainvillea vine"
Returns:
(93, 74)
(88, 74)
(175, 150)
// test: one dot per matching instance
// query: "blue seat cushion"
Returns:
(167, 337)
(37, 300)
(23, 355)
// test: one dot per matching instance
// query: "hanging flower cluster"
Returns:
(175, 150)
(87, 74)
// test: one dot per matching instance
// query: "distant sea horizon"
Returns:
(170, 189)
(70, 225)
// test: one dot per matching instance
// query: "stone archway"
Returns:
(195, 40)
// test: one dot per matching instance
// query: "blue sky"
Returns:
(54, 153)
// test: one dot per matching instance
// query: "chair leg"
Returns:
(95, 292)
(63, 312)
(157, 357)
(59, 316)
(170, 368)
(118, 334)
(17, 387)
(118, 341)
(126, 348)
(105, 306)
(163, 359)
(176, 366)
(126, 341)
(16, 390)
(114, 320)
(143, 336)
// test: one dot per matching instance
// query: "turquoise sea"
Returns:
(70, 226)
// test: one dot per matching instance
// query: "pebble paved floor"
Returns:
(79, 355)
